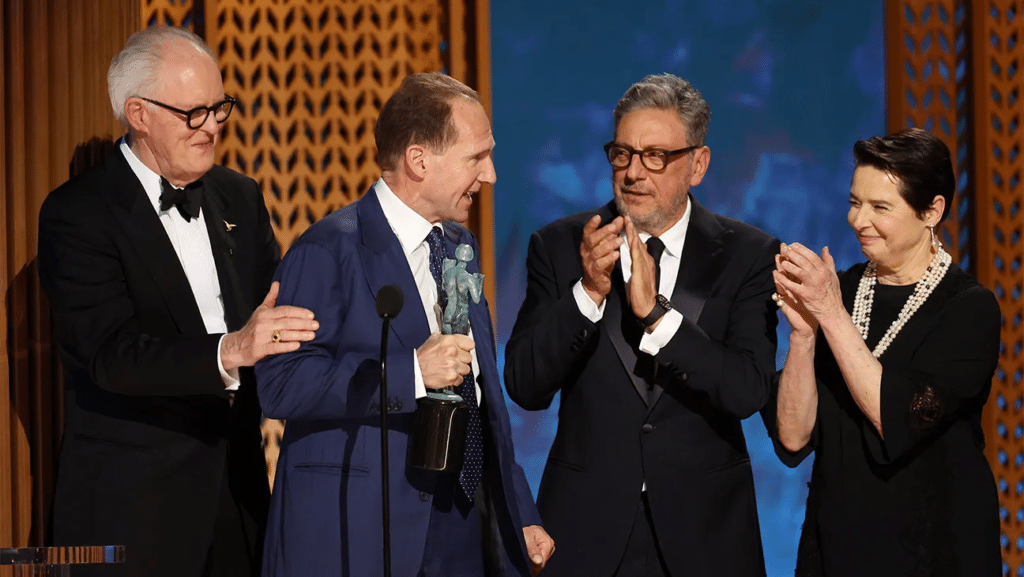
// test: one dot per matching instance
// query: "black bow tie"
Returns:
(187, 200)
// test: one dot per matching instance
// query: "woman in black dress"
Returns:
(889, 366)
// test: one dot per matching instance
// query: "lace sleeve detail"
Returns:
(925, 408)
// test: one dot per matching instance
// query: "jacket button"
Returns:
(375, 409)
(584, 334)
(424, 496)
(685, 377)
(647, 428)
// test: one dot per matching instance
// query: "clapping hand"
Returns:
(599, 251)
(807, 287)
(642, 287)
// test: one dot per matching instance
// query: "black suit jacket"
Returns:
(681, 434)
(149, 429)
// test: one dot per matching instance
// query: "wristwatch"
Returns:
(661, 306)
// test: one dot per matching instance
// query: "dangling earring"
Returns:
(935, 240)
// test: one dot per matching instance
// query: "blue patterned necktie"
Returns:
(473, 454)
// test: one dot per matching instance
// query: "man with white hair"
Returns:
(157, 265)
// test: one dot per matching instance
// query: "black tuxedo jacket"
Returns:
(616, 430)
(150, 434)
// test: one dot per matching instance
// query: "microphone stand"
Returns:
(385, 465)
(389, 304)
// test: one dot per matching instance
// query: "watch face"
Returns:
(661, 306)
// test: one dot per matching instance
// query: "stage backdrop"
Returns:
(791, 83)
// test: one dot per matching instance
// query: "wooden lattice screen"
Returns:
(925, 84)
(997, 28)
(311, 77)
(171, 13)
(953, 67)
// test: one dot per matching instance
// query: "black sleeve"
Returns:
(735, 372)
(81, 270)
(550, 334)
(269, 252)
(950, 373)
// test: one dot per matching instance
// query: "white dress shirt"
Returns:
(674, 237)
(412, 230)
(191, 242)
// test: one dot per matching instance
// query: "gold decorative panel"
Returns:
(926, 70)
(311, 77)
(170, 13)
(953, 68)
(997, 28)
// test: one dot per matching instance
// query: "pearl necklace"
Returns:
(866, 295)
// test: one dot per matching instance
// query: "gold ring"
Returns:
(276, 337)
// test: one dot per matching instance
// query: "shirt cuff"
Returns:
(652, 342)
(417, 375)
(586, 304)
(230, 378)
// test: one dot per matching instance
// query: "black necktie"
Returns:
(473, 454)
(187, 200)
(655, 248)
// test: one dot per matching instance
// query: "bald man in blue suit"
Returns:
(434, 147)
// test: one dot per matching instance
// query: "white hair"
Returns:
(135, 69)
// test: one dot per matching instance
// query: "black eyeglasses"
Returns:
(620, 155)
(196, 117)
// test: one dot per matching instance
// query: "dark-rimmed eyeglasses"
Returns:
(620, 155)
(196, 117)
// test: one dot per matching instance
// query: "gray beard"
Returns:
(657, 221)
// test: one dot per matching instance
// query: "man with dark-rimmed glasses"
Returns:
(196, 117)
(157, 264)
(653, 318)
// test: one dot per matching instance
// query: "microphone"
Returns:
(389, 303)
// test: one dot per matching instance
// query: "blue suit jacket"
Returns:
(326, 507)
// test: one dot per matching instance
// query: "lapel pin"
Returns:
(228, 226)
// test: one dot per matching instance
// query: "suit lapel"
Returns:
(384, 262)
(615, 315)
(699, 266)
(140, 223)
(216, 208)
(701, 263)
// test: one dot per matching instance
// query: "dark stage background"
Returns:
(791, 83)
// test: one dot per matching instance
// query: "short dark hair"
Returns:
(419, 112)
(672, 93)
(919, 162)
